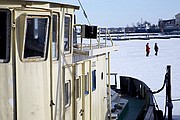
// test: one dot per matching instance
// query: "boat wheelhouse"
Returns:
(44, 74)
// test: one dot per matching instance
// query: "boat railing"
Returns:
(133, 87)
(130, 85)
(107, 35)
(95, 41)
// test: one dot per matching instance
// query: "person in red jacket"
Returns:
(147, 49)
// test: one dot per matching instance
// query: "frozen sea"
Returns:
(130, 60)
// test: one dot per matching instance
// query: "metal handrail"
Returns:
(110, 37)
(107, 34)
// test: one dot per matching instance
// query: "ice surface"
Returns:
(130, 60)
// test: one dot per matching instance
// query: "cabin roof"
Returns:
(33, 2)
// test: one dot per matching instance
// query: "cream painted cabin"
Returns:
(42, 76)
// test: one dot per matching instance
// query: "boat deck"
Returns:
(131, 107)
(138, 96)
(135, 107)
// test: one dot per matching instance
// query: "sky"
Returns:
(122, 13)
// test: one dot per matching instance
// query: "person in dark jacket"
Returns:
(147, 49)
(156, 48)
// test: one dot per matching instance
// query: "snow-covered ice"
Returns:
(130, 60)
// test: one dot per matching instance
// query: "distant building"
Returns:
(177, 22)
(129, 29)
(167, 25)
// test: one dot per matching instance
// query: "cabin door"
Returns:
(33, 66)
(79, 96)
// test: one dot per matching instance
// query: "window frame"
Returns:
(69, 35)
(6, 59)
(45, 55)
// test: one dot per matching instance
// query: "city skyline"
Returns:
(123, 13)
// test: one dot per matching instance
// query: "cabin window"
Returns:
(75, 35)
(5, 31)
(67, 34)
(75, 32)
(87, 84)
(55, 32)
(102, 76)
(93, 80)
(78, 87)
(36, 37)
(67, 93)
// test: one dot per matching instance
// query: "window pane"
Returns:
(75, 35)
(93, 80)
(77, 82)
(87, 84)
(67, 93)
(54, 37)
(102, 76)
(67, 29)
(4, 34)
(36, 37)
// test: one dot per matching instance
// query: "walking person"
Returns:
(156, 49)
(147, 49)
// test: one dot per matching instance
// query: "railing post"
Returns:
(109, 86)
(110, 38)
(90, 44)
(168, 92)
(99, 37)
(106, 36)
(81, 42)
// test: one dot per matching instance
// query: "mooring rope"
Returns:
(161, 87)
(176, 99)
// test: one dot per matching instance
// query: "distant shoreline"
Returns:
(139, 36)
